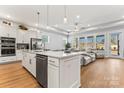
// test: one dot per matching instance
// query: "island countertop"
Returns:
(55, 54)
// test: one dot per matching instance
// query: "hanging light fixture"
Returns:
(47, 17)
(65, 15)
(76, 26)
(38, 15)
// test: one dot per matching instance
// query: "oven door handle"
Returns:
(41, 58)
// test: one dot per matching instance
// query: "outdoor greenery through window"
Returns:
(82, 42)
(90, 42)
(100, 40)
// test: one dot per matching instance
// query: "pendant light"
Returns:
(47, 17)
(38, 15)
(65, 15)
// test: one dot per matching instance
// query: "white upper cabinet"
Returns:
(35, 34)
(7, 31)
(22, 36)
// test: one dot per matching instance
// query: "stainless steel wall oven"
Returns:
(7, 46)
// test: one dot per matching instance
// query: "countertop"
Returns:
(55, 54)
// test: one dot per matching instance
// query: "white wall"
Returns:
(55, 39)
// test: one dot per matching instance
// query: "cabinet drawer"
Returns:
(7, 59)
(53, 61)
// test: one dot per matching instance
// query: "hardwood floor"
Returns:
(103, 73)
(15, 76)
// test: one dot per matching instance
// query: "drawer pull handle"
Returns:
(69, 60)
(53, 65)
(51, 61)
(30, 61)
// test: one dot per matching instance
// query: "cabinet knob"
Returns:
(30, 61)
(51, 61)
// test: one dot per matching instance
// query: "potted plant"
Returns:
(68, 48)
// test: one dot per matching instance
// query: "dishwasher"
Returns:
(41, 69)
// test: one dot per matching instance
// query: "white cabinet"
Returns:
(23, 36)
(7, 59)
(20, 36)
(3, 32)
(29, 62)
(53, 73)
(25, 60)
(7, 31)
(64, 73)
(32, 34)
(12, 32)
(19, 54)
(33, 64)
(70, 72)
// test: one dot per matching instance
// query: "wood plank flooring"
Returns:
(15, 76)
(103, 73)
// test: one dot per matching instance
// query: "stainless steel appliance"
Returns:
(22, 46)
(7, 46)
(41, 69)
(36, 44)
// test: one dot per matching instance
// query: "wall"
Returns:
(55, 39)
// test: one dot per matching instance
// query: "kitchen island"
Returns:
(54, 69)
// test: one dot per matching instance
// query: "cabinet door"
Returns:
(25, 62)
(12, 32)
(33, 64)
(24, 59)
(70, 72)
(19, 55)
(29, 62)
(26, 38)
(20, 36)
(53, 76)
(3, 31)
(32, 34)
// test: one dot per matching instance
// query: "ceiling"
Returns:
(89, 14)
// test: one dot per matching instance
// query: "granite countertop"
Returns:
(56, 54)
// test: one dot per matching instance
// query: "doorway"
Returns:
(115, 44)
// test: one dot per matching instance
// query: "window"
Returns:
(82, 42)
(45, 39)
(100, 40)
(75, 43)
(114, 43)
(90, 42)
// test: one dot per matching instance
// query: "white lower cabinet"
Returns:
(64, 73)
(29, 62)
(70, 72)
(53, 76)
(7, 59)
(33, 64)
(25, 60)
(19, 54)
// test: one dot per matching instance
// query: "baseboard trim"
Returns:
(10, 62)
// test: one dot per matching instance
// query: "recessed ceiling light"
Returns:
(122, 16)
(56, 25)
(78, 16)
(88, 25)
(8, 16)
(65, 19)
(47, 27)
(36, 24)
(38, 31)
(69, 30)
